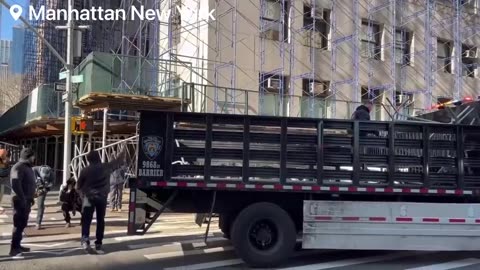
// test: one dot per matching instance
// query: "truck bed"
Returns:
(277, 154)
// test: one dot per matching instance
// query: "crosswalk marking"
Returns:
(181, 253)
(161, 235)
(448, 265)
(195, 243)
(208, 265)
(349, 262)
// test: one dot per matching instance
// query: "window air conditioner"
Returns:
(273, 83)
(470, 54)
(317, 13)
(316, 88)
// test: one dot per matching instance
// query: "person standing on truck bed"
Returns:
(94, 185)
(362, 112)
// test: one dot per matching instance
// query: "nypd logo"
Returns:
(152, 146)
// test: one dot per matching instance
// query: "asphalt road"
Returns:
(175, 242)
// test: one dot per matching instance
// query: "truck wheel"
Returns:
(263, 235)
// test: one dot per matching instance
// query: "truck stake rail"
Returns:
(263, 176)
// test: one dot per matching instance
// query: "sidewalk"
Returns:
(53, 222)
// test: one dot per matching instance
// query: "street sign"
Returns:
(62, 75)
(60, 87)
(77, 79)
(64, 97)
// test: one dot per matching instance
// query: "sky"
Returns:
(7, 21)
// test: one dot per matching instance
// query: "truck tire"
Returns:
(263, 235)
(225, 223)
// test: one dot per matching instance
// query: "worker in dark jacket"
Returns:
(94, 185)
(44, 182)
(22, 180)
(362, 113)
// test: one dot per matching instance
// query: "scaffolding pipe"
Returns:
(104, 134)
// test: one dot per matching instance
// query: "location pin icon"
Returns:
(16, 11)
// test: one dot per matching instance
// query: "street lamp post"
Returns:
(67, 146)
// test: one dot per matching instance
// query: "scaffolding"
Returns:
(308, 58)
(289, 52)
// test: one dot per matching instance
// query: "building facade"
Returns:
(319, 58)
(17, 55)
(5, 47)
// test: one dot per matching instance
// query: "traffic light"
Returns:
(81, 125)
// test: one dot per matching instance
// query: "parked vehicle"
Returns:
(413, 186)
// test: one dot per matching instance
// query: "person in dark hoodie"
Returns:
(94, 185)
(362, 113)
(22, 180)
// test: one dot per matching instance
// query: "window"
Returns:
(314, 98)
(402, 47)
(404, 103)
(271, 88)
(374, 96)
(444, 56)
(469, 61)
(271, 21)
(469, 5)
(318, 21)
(370, 39)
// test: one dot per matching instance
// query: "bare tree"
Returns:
(10, 91)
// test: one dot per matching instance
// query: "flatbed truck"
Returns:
(338, 184)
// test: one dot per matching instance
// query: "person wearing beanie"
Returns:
(22, 180)
(94, 185)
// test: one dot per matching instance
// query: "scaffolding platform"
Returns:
(94, 101)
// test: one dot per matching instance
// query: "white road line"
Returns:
(47, 245)
(208, 265)
(61, 222)
(349, 262)
(159, 235)
(182, 253)
(448, 265)
(195, 243)
(239, 261)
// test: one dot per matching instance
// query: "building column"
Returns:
(89, 143)
(46, 151)
(37, 148)
(55, 158)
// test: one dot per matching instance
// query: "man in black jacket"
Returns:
(94, 185)
(362, 113)
(22, 179)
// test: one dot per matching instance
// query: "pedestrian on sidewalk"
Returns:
(93, 185)
(44, 182)
(4, 173)
(22, 180)
(117, 181)
(71, 201)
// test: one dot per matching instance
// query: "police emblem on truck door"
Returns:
(152, 146)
